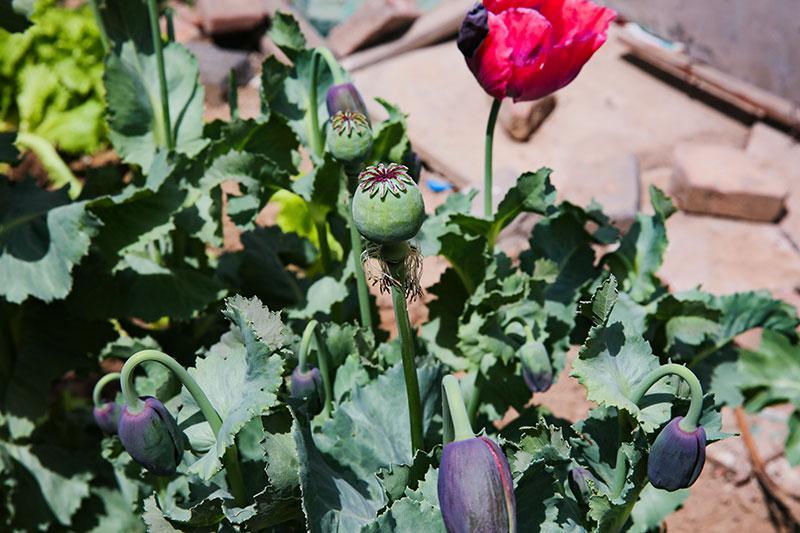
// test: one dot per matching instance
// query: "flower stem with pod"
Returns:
(135, 405)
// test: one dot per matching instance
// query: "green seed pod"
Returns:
(387, 204)
(349, 136)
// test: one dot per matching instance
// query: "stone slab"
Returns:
(725, 256)
(520, 120)
(215, 64)
(230, 16)
(371, 21)
(725, 181)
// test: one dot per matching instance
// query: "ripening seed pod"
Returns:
(537, 371)
(349, 136)
(676, 457)
(476, 492)
(579, 484)
(152, 437)
(345, 97)
(387, 204)
(106, 417)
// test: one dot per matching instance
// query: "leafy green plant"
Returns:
(249, 436)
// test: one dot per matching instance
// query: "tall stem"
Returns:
(324, 248)
(233, 95)
(135, 405)
(155, 32)
(324, 361)
(358, 268)
(407, 350)
(169, 14)
(101, 383)
(456, 422)
(487, 169)
(315, 134)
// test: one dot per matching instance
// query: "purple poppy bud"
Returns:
(152, 437)
(107, 417)
(473, 31)
(345, 97)
(537, 371)
(306, 384)
(579, 484)
(676, 457)
(476, 492)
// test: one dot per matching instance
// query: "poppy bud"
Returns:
(152, 437)
(676, 457)
(537, 371)
(476, 492)
(308, 386)
(579, 484)
(387, 204)
(345, 97)
(349, 136)
(106, 417)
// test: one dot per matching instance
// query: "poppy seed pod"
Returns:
(476, 492)
(579, 484)
(106, 417)
(349, 136)
(152, 437)
(345, 97)
(676, 457)
(537, 371)
(387, 204)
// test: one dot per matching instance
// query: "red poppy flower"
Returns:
(527, 49)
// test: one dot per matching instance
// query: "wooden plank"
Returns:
(439, 23)
(743, 95)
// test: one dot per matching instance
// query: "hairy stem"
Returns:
(324, 360)
(358, 268)
(135, 405)
(324, 248)
(155, 33)
(101, 383)
(487, 174)
(408, 353)
(456, 425)
(315, 134)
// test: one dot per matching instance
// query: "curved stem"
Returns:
(487, 175)
(98, 387)
(407, 349)
(315, 134)
(456, 421)
(333, 65)
(135, 405)
(324, 361)
(324, 248)
(155, 33)
(689, 422)
(305, 342)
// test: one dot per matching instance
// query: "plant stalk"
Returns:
(101, 383)
(358, 268)
(155, 32)
(333, 65)
(135, 405)
(456, 424)
(408, 353)
(315, 139)
(324, 360)
(305, 343)
(233, 95)
(100, 26)
(489, 147)
(324, 248)
(169, 14)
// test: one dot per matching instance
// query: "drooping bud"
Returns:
(476, 492)
(349, 136)
(308, 386)
(387, 205)
(537, 371)
(345, 97)
(676, 457)
(106, 417)
(578, 481)
(152, 437)
(474, 29)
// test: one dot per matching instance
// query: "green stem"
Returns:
(324, 360)
(407, 348)
(135, 405)
(358, 268)
(688, 423)
(324, 248)
(155, 33)
(100, 26)
(622, 518)
(487, 175)
(333, 65)
(305, 343)
(456, 422)
(98, 387)
(233, 95)
(315, 133)
(169, 15)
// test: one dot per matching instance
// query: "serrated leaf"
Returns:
(533, 193)
(653, 506)
(286, 34)
(599, 308)
(42, 238)
(416, 512)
